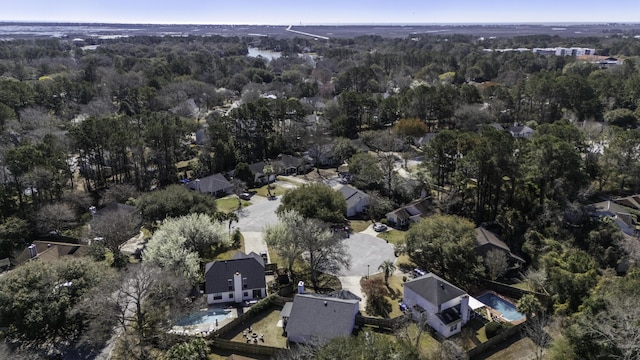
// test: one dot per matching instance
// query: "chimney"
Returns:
(301, 287)
(464, 309)
(33, 251)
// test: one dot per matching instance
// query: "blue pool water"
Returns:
(204, 317)
(507, 309)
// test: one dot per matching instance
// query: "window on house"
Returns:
(246, 294)
(217, 296)
(244, 282)
(230, 283)
(453, 328)
(231, 296)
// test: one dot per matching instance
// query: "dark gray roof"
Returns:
(434, 289)
(211, 184)
(343, 294)
(286, 309)
(290, 161)
(217, 273)
(352, 195)
(321, 317)
(487, 240)
(257, 168)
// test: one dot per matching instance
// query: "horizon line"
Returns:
(549, 23)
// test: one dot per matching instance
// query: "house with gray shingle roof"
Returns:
(620, 214)
(411, 212)
(216, 185)
(519, 131)
(357, 201)
(444, 306)
(487, 240)
(315, 319)
(239, 279)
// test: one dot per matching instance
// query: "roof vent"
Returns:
(325, 303)
(442, 286)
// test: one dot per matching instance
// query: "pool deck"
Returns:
(495, 315)
(206, 329)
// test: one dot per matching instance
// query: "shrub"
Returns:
(495, 328)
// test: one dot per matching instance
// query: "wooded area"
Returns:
(88, 127)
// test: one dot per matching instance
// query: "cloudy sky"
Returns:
(285, 12)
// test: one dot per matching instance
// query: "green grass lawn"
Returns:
(358, 225)
(394, 236)
(275, 190)
(265, 324)
(230, 203)
(395, 293)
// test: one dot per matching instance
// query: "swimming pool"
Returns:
(507, 309)
(204, 317)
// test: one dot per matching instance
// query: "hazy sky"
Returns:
(279, 12)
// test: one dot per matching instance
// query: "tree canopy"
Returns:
(315, 201)
(444, 245)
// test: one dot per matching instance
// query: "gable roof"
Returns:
(343, 294)
(48, 250)
(434, 289)
(211, 184)
(257, 168)
(352, 195)
(520, 130)
(322, 317)
(217, 273)
(423, 140)
(487, 240)
(290, 161)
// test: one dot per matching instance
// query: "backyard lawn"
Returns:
(264, 324)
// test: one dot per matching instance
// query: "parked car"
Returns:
(379, 227)
(245, 196)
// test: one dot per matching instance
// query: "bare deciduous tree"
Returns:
(115, 227)
(496, 263)
(534, 329)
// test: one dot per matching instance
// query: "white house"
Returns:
(233, 281)
(444, 307)
(357, 201)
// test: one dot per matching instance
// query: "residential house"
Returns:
(239, 279)
(518, 131)
(321, 154)
(259, 177)
(315, 319)
(411, 212)
(487, 240)
(357, 201)
(442, 305)
(423, 140)
(49, 251)
(291, 165)
(626, 221)
(216, 185)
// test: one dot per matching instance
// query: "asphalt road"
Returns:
(367, 253)
(262, 212)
